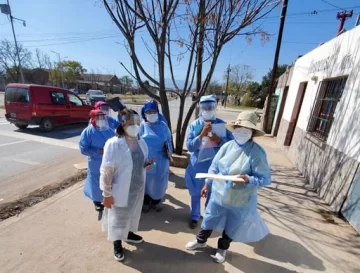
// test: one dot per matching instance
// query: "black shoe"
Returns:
(157, 208)
(100, 214)
(118, 251)
(193, 224)
(133, 238)
(146, 208)
(99, 207)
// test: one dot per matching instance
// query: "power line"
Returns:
(305, 43)
(68, 38)
(326, 2)
(73, 42)
(314, 12)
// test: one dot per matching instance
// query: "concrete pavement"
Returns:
(62, 234)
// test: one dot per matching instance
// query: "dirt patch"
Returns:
(328, 216)
(10, 209)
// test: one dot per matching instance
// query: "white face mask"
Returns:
(101, 123)
(242, 135)
(208, 115)
(106, 112)
(152, 118)
(133, 130)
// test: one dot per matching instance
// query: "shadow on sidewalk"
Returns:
(150, 258)
(293, 206)
(178, 180)
(172, 219)
(287, 251)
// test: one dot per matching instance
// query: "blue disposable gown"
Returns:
(91, 142)
(162, 118)
(156, 136)
(233, 207)
(193, 144)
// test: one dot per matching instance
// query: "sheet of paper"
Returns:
(233, 178)
(219, 129)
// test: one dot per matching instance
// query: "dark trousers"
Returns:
(149, 201)
(223, 242)
(98, 206)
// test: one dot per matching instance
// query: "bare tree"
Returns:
(219, 21)
(214, 88)
(42, 59)
(8, 59)
(240, 75)
(128, 81)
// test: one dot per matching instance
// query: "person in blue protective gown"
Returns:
(92, 142)
(158, 138)
(232, 208)
(105, 108)
(161, 116)
(203, 143)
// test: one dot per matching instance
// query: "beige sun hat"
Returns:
(247, 119)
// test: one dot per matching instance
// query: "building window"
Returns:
(323, 113)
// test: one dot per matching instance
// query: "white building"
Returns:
(320, 124)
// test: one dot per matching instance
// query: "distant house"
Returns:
(105, 82)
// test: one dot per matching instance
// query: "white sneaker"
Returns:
(220, 256)
(194, 245)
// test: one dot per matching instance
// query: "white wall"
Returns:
(338, 57)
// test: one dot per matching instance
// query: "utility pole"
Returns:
(200, 51)
(5, 9)
(227, 79)
(275, 66)
(227, 84)
(343, 16)
(60, 67)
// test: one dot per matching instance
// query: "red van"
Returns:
(47, 106)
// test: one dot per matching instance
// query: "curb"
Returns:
(14, 208)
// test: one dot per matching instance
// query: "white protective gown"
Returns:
(123, 178)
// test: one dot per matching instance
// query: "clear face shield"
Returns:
(101, 122)
(207, 109)
(105, 109)
(131, 124)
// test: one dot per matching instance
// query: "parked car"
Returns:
(46, 106)
(75, 91)
(93, 96)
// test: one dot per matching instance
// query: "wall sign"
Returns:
(331, 63)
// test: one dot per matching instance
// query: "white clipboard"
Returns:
(232, 178)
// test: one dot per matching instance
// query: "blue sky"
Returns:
(82, 30)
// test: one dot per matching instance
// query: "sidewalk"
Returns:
(62, 234)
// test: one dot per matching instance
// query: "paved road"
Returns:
(31, 159)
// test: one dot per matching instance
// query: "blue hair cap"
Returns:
(209, 98)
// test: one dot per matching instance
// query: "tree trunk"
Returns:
(179, 143)
(182, 134)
